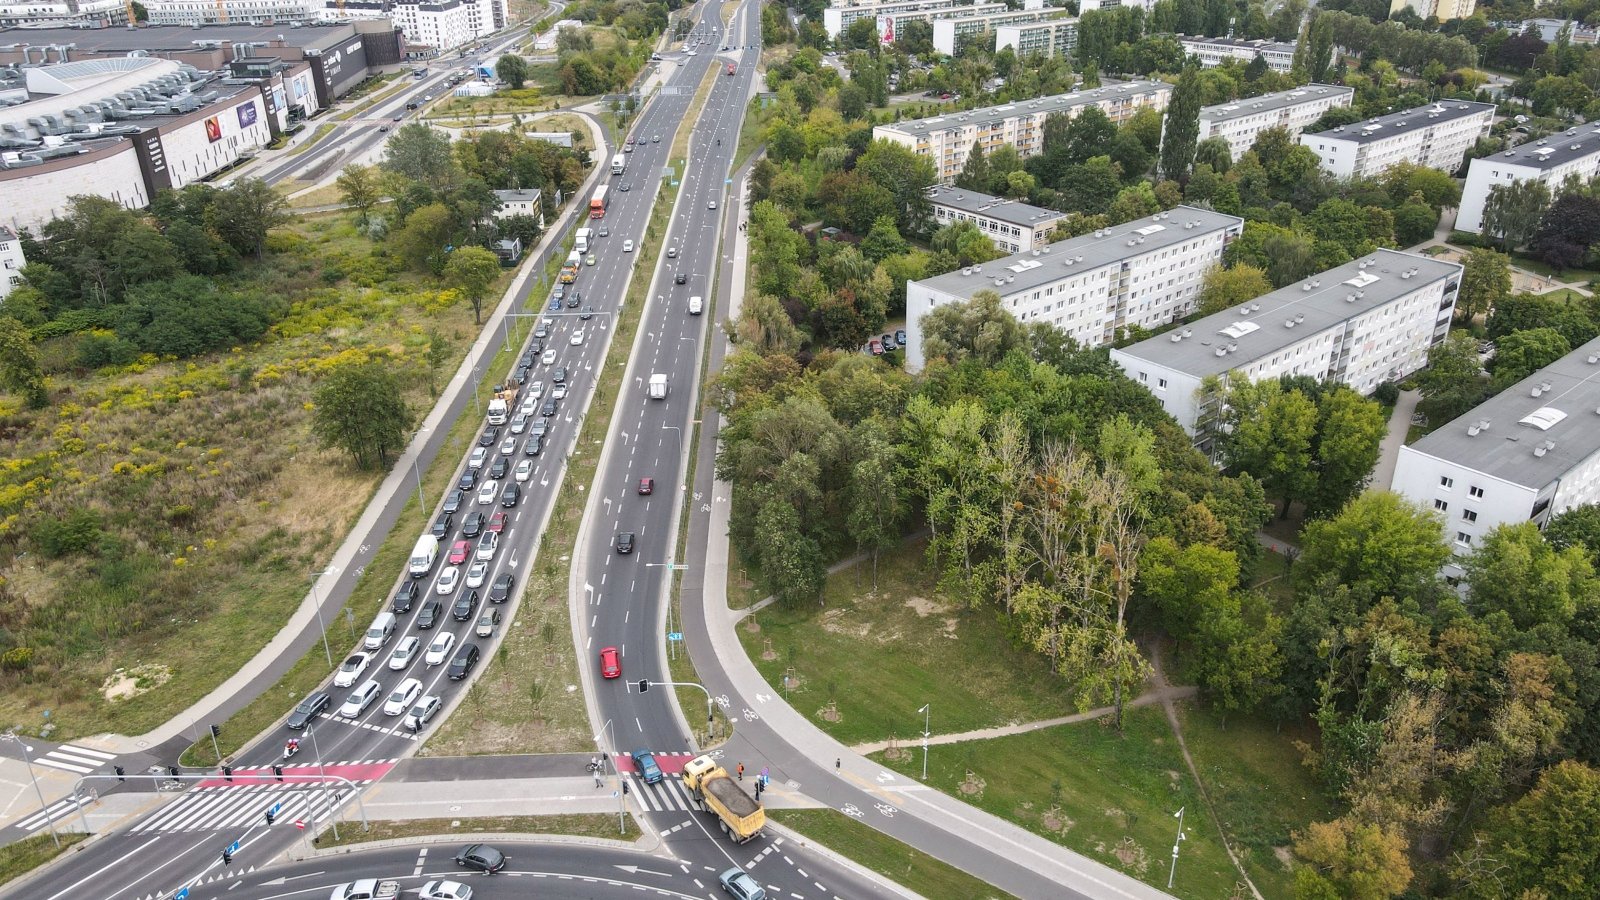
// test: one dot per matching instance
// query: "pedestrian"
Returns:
(758, 791)
(836, 765)
(597, 778)
(741, 771)
(764, 776)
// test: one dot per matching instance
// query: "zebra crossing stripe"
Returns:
(210, 809)
(55, 812)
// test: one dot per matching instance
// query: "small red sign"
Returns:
(300, 824)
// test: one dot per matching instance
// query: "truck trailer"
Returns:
(658, 386)
(712, 788)
(505, 397)
(619, 163)
(597, 205)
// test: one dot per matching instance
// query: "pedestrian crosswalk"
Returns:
(209, 809)
(81, 760)
(56, 812)
(667, 795)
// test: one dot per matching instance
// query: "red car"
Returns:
(610, 663)
(875, 347)
(497, 522)
(647, 485)
(459, 551)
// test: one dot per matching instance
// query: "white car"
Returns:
(445, 890)
(524, 470)
(402, 698)
(477, 574)
(711, 205)
(487, 545)
(693, 53)
(351, 670)
(360, 699)
(422, 712)
(439, 650)
(549, 358)
(405, 653)
(519, 422)
(489, 491)
(560, 392)
(535, 391)
(627, 246)
(479, 456)
(448, 579)
(577, 338)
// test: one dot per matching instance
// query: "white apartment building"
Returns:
(1146, 273)
(1242, 121)
(1214, 51)
(949, 138)
(1097, 5)
(948, 33)
(1528, 453)
(1014, 226)
(80, 13)
(1058, 37)
(440, 25)
(11, 261)
(1550, 29)
(839, 16)
(1368, 321)
(1550, 160)
(217, 12)
(1437, 135)
(1443, 10)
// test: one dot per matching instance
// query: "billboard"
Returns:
(886, 29)
(247, 114)
(213, 129)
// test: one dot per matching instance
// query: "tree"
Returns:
(1515, 571)
(1485, 283)
(421, 155)
(243, 214)
(1512, 212)
(1451, 385)
(1215, 152)
(1380, 541)
(1269, 435)
(512, 69)
(1548, 842)
(1570, 228)
(1414, 223)
(1183, 126)
(1089, 188)
(876, 510)
(1350, 429)
(19, 364)
(1225, 288)
(471, 270)
(906, 175)
(1236, 657)
(1577, 527)
(1522, 353)
(883, 241)
(359, 188)
(1360, 861)
(358, 408)
(979, 328)
(424, 237)
(974, 174)
(790, 560)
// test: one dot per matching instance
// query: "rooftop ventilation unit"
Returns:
(1476, 427)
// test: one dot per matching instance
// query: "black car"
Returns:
(473, 525)
(533, 447)
(624, 542)
(468, 481)
(309, 708)
(429, 616)
(681, 278)
(574, 300)
(549, 407)
(452, 500)
(499, 468)
(588, 312)
(500, 590)
(512, 494)
(559, 375)
(441, 525)
(535, 348)
(527, 360)
(490, 437)
(522, 375)
(466, 658)
(481, 857)
(406, 597)
(466, 606)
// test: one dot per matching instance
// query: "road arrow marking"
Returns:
(635, 870)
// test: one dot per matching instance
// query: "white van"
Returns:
(695, 306)
(423, 555)
(382, 629)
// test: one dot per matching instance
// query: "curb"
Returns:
(429, 840)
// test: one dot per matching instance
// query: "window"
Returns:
(1463, 538)
(1476, 492)
(1440, 505)
(1469, 515)
(1161, 383)
(1446, 481)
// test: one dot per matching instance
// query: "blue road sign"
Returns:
(276, 807)
(674, 635)
(182, 894)
(233, 847)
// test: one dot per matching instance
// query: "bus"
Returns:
(619, 163)
(597, 206)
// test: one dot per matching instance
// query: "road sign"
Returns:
(182, 894)
(233, 847)
(300, 824)
(276, 808)
(674, 635)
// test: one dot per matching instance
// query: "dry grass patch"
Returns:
(590, 825)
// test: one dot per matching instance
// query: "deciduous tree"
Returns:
(1512, 212)
(243, 214)
(19, 364)
(1226, 288)
(979, 328)
(471, 270)
(512, 69)
(1380, 541)
(1485, 282)
(361, 190)
(359, 408)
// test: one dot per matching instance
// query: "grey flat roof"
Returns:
(1042, 106)
(1032, 269)
(1001, 209)
(1259, 45)
(508, 196)
(1394, 123)
(1374, 280)
(1238, 109)
(7, 234)
(173, 37)
(1552, 151)
(1505, 449)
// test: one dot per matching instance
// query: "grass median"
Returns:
(590, 825)
(21, 857)
(321, 132)
(874, 850)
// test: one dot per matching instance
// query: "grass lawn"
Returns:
(1271, 576)
(1262, 793)
(1110, 798)
(321, 132)
(1540, 267)
(590, 825)
(888, 857)
(1565, 295)
(864, 660)
(20, 858)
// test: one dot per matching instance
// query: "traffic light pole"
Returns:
(711, 720)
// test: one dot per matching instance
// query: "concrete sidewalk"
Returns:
(1389, 449)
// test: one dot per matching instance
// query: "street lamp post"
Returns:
(422, 498)
(679, 430)
(1173, 873)
(621, 809)
(333, 813)
(44, 807)
(926, 711)
(316, 601)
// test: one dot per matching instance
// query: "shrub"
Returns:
(1387, 393)
(77, 532)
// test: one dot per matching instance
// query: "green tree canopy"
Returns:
(359, 408)
(1381, 541)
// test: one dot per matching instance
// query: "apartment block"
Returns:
(1368, 321)
(949, 33)
(1142, 273)
(1099, 5)
(1527, 454)
(1242, 121)
(1437, 136)
(1550, 160)
(949, 138)
(519, 203)
(839, 16)
(1058, 37)
(1443, 10)
(1214, 51)
(11, 261)
(1014, 226)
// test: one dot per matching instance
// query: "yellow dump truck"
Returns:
(711, 787)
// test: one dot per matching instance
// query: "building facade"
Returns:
(1443, 10)
(1361, 324)
(1438, 136)
(1143, 273)
(949, 33)
(1211, 52)
(1242, 121)
(1014, 226)
(948, 139)
(837, 17)
(1527, 454)
(1098, 5)
(519, 203)
(1058, 37)
(11, 261)
(1550, 160)
(69, 13)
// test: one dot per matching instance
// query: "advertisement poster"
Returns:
(213, 130)
(886, 29)
(247, 115)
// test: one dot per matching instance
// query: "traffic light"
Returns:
(216, 731)
(227, 773)
(644, 686)
(624, 788)
(120, 773)
(227, 856)
(172, 771)
(277, 772)
(270, 817)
